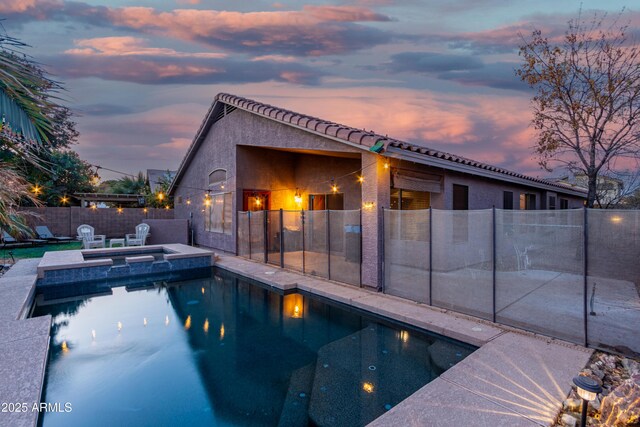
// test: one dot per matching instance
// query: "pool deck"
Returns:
(515, 378)
(24, 344)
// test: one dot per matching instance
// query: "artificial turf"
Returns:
(36, 251)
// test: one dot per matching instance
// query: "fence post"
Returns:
(493, 257)
(585, 233)
(237, 235)
(265, 236)
(249, 222)
(328, 245)
(383, 272)
(430, 255)
(281, 238)
(303, 243)
(360, 249)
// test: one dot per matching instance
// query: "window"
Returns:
(507, 200)
(564, 204)
(218, 215)
(527, 201)
(333, 201)
(409, 200)
(552, 202)
(217, 177)
(460, 197)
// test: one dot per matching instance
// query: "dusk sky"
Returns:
(141, 74)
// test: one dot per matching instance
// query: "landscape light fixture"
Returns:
(588, 390)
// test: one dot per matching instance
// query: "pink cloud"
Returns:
(130, 46)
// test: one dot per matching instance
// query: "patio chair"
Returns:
(89, 238)
(9, 240)
(43, 232)
(140, 238)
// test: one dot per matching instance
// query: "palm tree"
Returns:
(25, 101)
(26, 107)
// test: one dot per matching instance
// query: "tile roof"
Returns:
(359, 137)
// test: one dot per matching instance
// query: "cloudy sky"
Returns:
(141, 74)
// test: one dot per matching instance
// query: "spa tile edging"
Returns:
(24, 344)
(515, 378)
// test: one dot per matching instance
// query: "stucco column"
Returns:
(375, 189)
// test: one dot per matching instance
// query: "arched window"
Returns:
(217, 177)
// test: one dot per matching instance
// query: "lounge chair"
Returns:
(140, 238)
(43, 232)
(9, 240)
(89, 238)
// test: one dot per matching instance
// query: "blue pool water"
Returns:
(223, 351)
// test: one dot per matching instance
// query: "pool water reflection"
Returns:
(224, 351)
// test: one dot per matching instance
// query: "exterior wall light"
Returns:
(616, 219)
(588, 390)
(368, 205)
(361, 179)
(386, 165)
(334, 187)
(297, 198)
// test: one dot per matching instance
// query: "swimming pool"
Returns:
(226, 351)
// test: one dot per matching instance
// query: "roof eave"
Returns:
(395, 152)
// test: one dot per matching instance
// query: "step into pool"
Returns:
(225, 351)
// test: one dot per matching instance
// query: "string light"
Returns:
(334, 187)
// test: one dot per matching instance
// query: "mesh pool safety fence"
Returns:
(321, 243)
(569, 274)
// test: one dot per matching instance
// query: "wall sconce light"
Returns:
(360, 179)
(386, 165)
(188, 201)
(616, 219)
(588, 390)
(207, 200)
(368, 205)
(297, 198)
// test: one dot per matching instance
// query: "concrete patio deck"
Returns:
(24, 345)
(515, 378)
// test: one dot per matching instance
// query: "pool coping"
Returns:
(515, 378)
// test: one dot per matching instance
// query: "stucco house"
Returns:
(248, 155)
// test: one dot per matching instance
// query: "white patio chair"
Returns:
(140, 238)
(89, 238)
